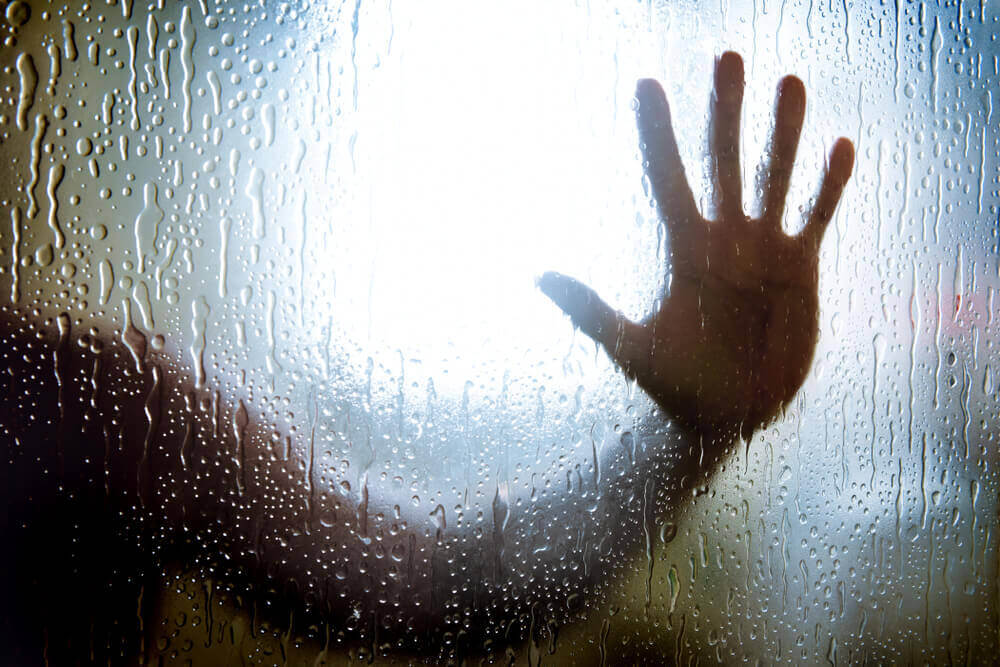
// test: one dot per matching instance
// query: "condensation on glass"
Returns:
(268, 303)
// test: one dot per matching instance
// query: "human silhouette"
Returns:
(733, 338)
(728, 347)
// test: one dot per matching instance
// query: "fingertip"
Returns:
(646, 84)
(792, 91)
(547, 281)
(791, 84)
(562, 290)
(729, 81)
(838, 171)
(647, 90)
(566, 293)
(729, 65)
(842, 159)
(843, 149)
(652, 110)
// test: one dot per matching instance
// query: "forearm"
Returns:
(177, 462)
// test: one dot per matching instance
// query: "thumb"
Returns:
(626, 342)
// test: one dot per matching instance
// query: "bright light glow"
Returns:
(491, 144)
(476, 147)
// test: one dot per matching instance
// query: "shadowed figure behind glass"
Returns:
(727, 347)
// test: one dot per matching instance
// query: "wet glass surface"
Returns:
(278, 384)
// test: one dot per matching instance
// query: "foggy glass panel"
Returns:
(278, 382)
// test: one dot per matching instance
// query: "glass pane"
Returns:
(279, 384)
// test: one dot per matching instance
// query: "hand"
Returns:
(734, 336)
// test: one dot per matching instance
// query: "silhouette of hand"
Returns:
(734, 336)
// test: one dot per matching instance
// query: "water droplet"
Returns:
(199, 322)
(28, 79)
(44, 255)
(69, 40)
(255, 192)
(187, 63)
(147, 226)
(133, 339)
(18, 13)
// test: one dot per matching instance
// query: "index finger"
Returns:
(661, 159)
